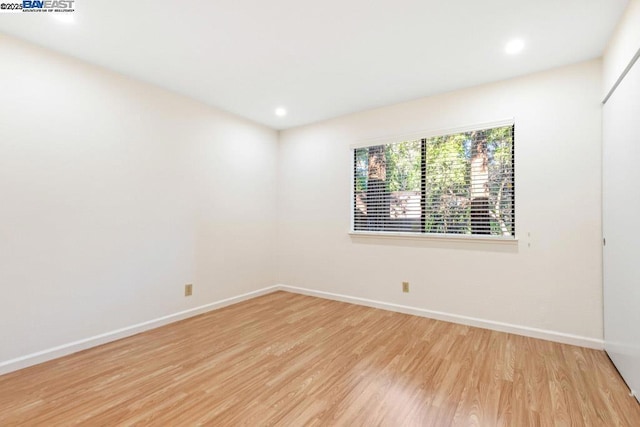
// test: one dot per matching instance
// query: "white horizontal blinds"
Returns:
(469, 183)
(461, 183)
(387, 187)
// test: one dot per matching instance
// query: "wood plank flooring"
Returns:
(292, 360)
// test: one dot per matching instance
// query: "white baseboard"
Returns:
(456, 318)
(73, 347)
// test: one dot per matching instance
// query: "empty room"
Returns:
(337, 213)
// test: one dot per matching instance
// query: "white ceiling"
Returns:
(321, 59)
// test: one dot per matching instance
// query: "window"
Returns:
(456, 184)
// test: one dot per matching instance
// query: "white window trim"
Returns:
(466, 238)
(470, 238)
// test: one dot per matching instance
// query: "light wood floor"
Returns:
(286, 359)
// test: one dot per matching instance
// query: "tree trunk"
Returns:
(480, 210)
(378, 198)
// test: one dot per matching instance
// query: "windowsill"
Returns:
(464, 238)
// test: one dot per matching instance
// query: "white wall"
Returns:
(623, 45)
(553, 285)
(113, 195)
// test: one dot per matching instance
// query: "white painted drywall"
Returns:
(623, 45)
(621, 205)
(114, 194)
(554, 284)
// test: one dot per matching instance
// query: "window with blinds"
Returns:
(457, 184)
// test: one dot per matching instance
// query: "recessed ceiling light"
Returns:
(514, 46)
(281, 112)
(67, 18)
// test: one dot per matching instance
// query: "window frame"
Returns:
(479, 238)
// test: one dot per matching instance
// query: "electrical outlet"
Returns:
(405, 286)
(188, 290)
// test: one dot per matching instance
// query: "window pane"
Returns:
(387, 187)
(452, 184)
(469, 183)
(447, 184)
